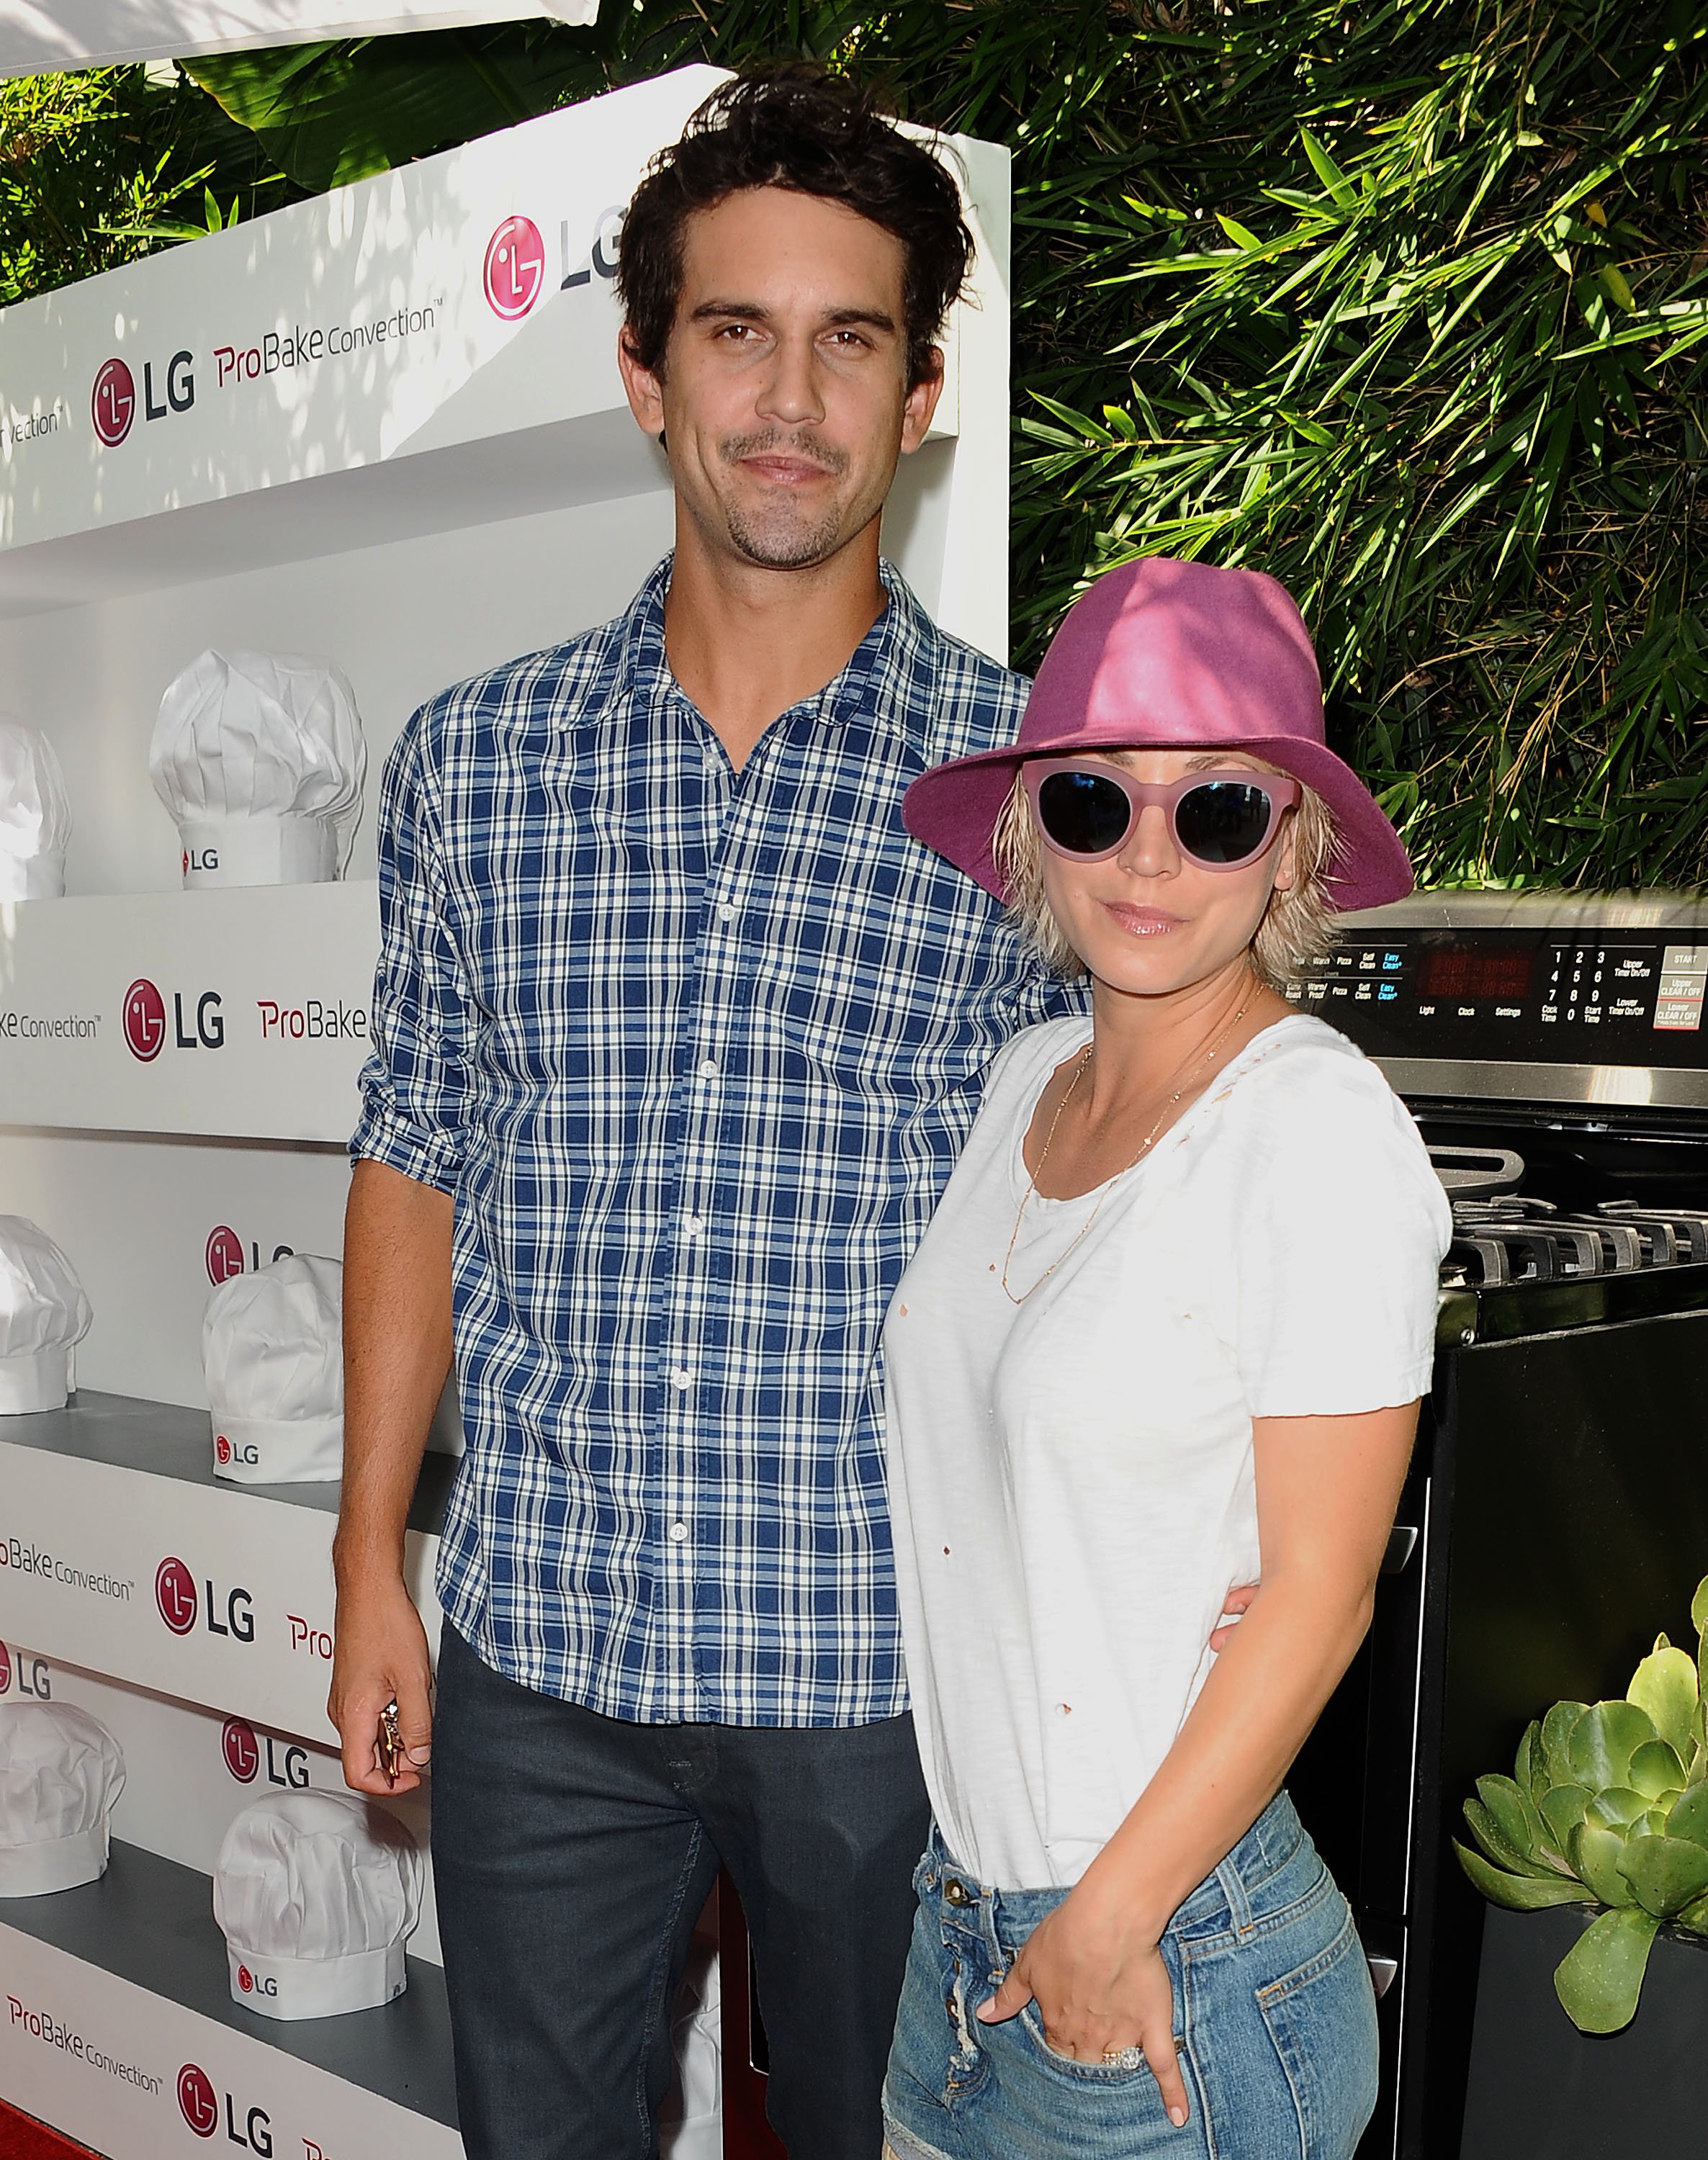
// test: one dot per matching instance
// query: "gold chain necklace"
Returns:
(1188, 1074)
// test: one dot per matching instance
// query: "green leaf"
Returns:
(1515, 1812)
(1693, 1917)
(1556, 1734)
(1690, 1816)
(1518, 1893)
(1603, 1740)
(335, 111)
(1698, 1607)
(1330, 174)
(1666, 1873)
(1527, 1766)
(1656, 1769)
(1562, 1808)
(1242, 235)
(1664, 1685)
(1616, 1807)
(1594, 1855)
(1599, 1982)
(1501, 1849)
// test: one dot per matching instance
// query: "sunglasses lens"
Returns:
(1224, 821)
(1083, 813)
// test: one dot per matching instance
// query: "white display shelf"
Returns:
(126, 2037)
(455, 302)
(122, 1554)
(242, 1013)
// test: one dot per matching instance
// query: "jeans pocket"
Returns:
(1321, 2018)
(1119, 2076)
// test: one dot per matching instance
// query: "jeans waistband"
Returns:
(1224, 1897)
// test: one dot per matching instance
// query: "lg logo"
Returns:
(243, 1451)
(241, 1747)
(226, 1257)
(145, 1021)
(513, 276)
(31, 1673)
(198, 2103)
(112, 403)
(253, 1983)
(176, 1595)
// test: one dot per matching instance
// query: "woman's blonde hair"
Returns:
(1298, 929)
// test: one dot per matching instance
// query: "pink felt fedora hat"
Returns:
(1168, 655)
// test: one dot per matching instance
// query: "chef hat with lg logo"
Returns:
(44, 1315)
(316, 1893)
(260, 758)
(271, 1350)
(35, 815)
(60, 1773)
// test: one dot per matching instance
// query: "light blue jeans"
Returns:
(1274, 2014)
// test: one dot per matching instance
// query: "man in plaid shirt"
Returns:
(676, 1035)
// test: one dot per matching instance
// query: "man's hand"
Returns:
(1099, 1984)
(1234, 1607)
(380, 1652)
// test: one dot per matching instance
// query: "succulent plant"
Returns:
(1607, 1805)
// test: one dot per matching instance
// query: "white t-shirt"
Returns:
(1071, 1478)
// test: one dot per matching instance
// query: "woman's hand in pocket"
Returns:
(1101, 1986)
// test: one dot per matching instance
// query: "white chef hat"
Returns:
(316, 1892)
(260, 758)
(43, 1314)
(271, 1353)
(61, 1772)
(35, 815)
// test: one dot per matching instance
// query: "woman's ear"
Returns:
(1287, 854)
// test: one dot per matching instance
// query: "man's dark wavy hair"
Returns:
(795, 127)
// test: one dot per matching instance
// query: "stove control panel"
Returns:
(1609, 997)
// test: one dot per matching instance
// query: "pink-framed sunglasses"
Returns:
(1086, 810)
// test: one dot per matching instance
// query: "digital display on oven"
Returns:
(1474, 971)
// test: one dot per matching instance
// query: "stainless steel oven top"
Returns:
(1534, 997)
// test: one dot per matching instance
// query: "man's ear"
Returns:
(922, 402)
(644, 390)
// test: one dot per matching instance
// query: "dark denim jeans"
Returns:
(571, 1854)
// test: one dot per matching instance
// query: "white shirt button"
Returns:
(677, 1533)
(694, 1226)
(682, 1377)
(709, 1068)
(726, 913)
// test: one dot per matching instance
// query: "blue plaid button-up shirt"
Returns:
(694, 1051)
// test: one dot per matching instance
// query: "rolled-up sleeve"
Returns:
(415, 1086)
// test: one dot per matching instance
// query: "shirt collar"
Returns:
(884, 662)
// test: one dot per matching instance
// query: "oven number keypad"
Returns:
(1593, 984)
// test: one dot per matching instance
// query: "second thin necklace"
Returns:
(1186, 1075)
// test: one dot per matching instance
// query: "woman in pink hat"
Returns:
(1166, 1334)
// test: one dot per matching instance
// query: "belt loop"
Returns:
(1234, 1890)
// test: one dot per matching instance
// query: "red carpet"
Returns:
(23, 2139)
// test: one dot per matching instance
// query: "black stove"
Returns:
(1552, 1049)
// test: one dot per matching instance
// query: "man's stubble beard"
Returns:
(782, 541)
